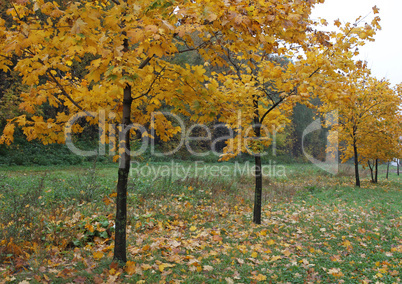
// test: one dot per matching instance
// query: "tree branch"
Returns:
(153, 82)
(271, 108)
(63, 91)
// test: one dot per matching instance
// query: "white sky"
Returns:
(384, 56)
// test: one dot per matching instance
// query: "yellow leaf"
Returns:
(254, 254)
(89, 227)
(286, 252)
(259, 277)
(130, 267)
(69, 62)
(156, 50)
(98, 255)
(106, 200)
(146, 266)
(165, 265)
(276, 257)
(54, 73)
(193, 228)
(270, 242)
(162, 267)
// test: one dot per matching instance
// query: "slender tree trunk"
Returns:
(388, 169)
(356, 164)
(124, 170)
(371, 171)
(376, 171)
(258, 191)
(123, 173)
(258, 173)
(397, 166)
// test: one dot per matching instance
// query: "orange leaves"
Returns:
(162, 266)
(130, 267)
(156, 50)
(8, 133)
(98, 255)
(347, 244)
(259, 277)
(335, 272)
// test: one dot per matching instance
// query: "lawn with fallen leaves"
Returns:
(57, 226)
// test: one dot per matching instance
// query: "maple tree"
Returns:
(261, 91)
(382, 142)
(368, 119)
(127, 77)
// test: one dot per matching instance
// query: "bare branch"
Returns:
(271, 108)
(145, 62)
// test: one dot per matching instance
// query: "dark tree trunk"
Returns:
(258, 191)
(258, 173)
(397, 166)
(356, 164)
(388, 169)
(119, 254)
(376, 171)
(124, 170)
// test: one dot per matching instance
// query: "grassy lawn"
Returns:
(193, 224)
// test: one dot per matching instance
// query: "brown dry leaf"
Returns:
(208, 268)
(145, 266)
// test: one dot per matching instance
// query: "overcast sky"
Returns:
(384, 56)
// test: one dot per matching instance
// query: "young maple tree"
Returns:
(128, 77)
(382, 141)
(261, 91)
(367, 113)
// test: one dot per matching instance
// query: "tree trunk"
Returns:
(258, 173)
(124, 170)
(397, 166)
(258, 191)
(376, 171)
(356, 164)
(388, 169)
(123, 173)
(371, 170)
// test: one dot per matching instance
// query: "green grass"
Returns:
(316, 228)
